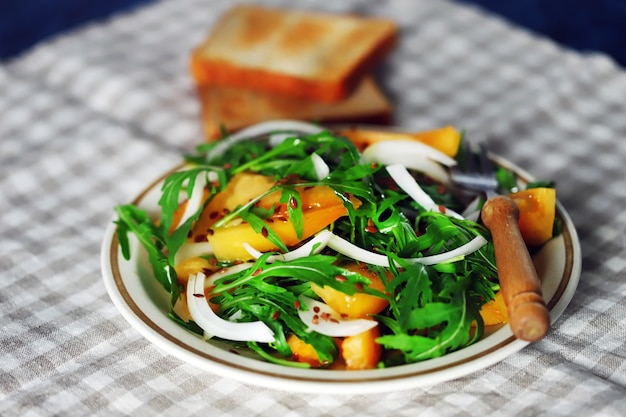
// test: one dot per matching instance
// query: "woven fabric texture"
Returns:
(89, 118)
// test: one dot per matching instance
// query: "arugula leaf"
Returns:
(173, 186)
(291, 198)
(274, 158)
(507, 180)
(262, 228)
(450, 329)
(132, 219)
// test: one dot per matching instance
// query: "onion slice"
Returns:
(454, 254)
(215, 326)
(195, 201)
(321, 168)
(312, 247)
(261, 129)
(321, 318)
(192, 250)
(278, 138)
(420, 164)
(391, 149)
(405, 180)
(357, 253)
(472, 211)
(225, 272)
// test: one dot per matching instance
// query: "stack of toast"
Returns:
(262, 64)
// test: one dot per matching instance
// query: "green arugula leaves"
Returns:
(433, 310)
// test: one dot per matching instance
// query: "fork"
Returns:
(528, 314)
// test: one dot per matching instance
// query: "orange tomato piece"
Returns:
(302, 351)
(320, 206)
(192, 266)
(445, 139)
(494, 312)
(311, 198)
(359, 304)
(241, 188)
(537, 210)
(361, 350)
(178, 215)
(227, 242)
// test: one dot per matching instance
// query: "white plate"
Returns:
(142, 301)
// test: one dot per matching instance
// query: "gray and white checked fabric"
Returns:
(88, 119)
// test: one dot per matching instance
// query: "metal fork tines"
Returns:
(476, 178)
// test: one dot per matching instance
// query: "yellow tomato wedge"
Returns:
(361, 350)
(356, 352)
(494, 312)
(445, 139)
(193, 266)
(241, 188)
(537, 210)
(227, 242)
(320, 207)
(312, 198)
(358, 305)
(302, 351)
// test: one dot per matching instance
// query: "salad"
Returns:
(338, 250)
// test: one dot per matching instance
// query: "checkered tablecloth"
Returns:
(87, 120)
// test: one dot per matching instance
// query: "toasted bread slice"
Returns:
(230, 109)
(302, 54)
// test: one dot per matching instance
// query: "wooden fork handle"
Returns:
(529, 317)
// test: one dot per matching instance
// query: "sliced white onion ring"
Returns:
(260, 129)
(472, 211)
(454, 254)
(236, 316)
(321, 318)
(225, 272)
(312, 247)
(215, 326)
(195, 201)
(405, 180)
(192, 250)
(396, 148)
(420, 164)
(278, 138)
(321, 168)
(357, 253)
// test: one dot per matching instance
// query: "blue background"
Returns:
(585, 25)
